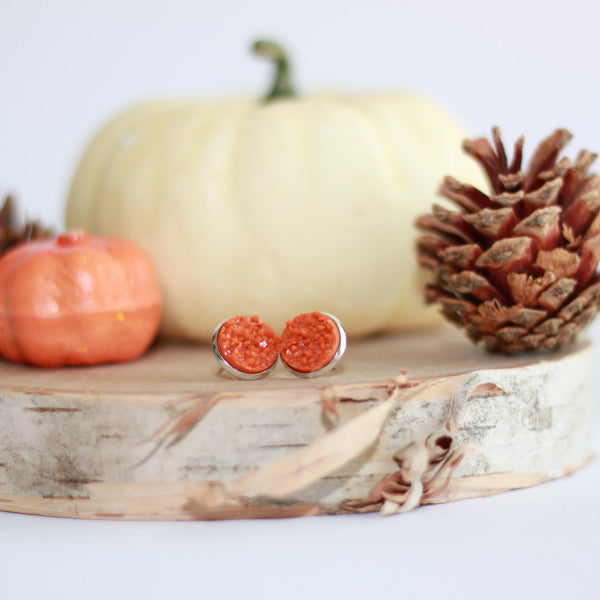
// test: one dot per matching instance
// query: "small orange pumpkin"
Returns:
(79, 299)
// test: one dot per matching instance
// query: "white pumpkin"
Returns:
(274, 207)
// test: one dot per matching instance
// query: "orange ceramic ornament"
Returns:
(79, 299)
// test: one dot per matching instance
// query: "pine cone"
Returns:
(517, 267)
(13, 232)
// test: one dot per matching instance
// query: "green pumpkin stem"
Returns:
(282, 87)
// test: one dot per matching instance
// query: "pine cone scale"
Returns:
(590, 256)
(461, 257)
(571, 310)
(528, 317)
(517, 267)
(557, 294)
(545, 156)
(492, 223)
(549, 327)
(466, 196)
(511, 333)
(543, 225)
(14, 232)
(560, 262)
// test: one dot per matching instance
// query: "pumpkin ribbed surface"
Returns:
(274, 208)
(77, 300)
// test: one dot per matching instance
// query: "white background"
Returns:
(529, 67)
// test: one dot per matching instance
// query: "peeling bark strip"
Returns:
(426, 466)
(394, 427)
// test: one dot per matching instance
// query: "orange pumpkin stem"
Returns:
(72, 238)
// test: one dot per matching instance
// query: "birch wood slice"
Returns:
(404, 420)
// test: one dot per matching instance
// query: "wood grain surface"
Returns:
(171, 437)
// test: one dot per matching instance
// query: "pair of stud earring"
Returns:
(311, 344)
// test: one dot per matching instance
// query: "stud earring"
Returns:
(312, 344)
(245, 347)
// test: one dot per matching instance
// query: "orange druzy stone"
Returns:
(248, 344)
(309, 342)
